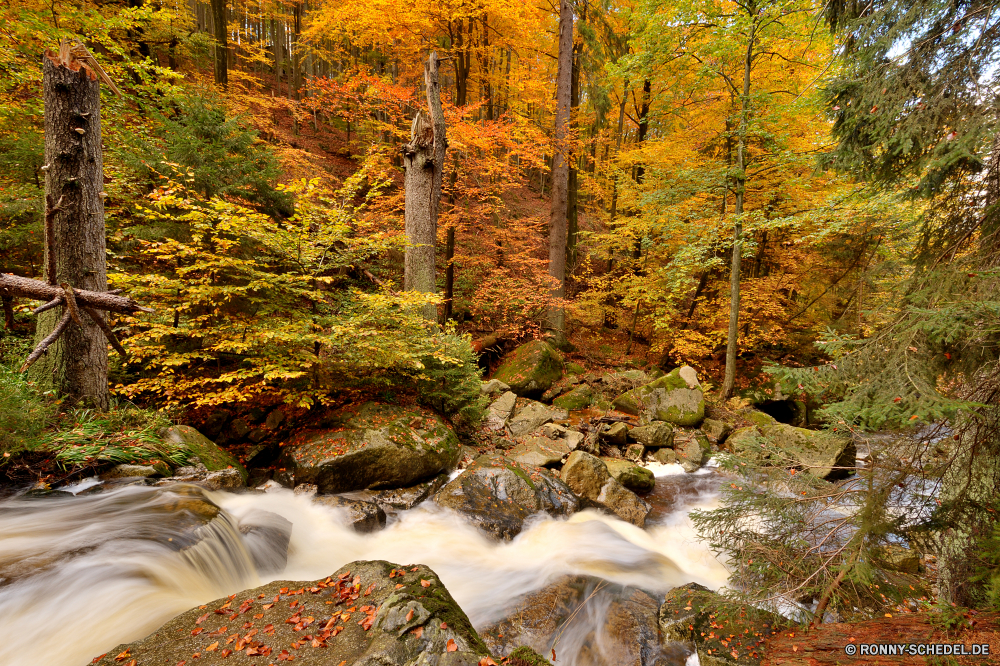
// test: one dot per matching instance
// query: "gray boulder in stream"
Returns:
(381, 613)
(498, 494)
(590, 479)
(675, 398)
(373, 446)
(599, 622)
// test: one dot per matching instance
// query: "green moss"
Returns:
(211, 455)
(438, 602)
(528, 657)
(579, 398)
(531, 368)
(760, 419)
(575, 369)
(520, 473)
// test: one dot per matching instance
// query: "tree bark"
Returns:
(560, 170)
(740, 181)
(221, 42)
(423, 159)
(76, 365)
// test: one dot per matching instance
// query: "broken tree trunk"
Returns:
(560, 171)
(76, 364)
(423, 158)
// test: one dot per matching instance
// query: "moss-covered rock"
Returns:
(672, 398)
(497, 494)
(653, 436)
(817, 452)
(540, 451)
(691, 446)
(722, 635)
(530, 415)
(578, 398)
(575, 369)
(531, 368)
(716, 430)
(589, 478)
(636, 478)
(399, 615)
(211, 455)
(373, 446)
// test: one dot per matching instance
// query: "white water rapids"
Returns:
(79, 575)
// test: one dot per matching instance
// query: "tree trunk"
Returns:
(560, 169)
(572, 207)
(423, 159)
(221, 42)
(740, 181)
(76, 365)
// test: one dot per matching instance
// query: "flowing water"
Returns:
(79, 575)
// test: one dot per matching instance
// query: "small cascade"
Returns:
(111, 568)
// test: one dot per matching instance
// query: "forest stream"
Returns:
(85, 573)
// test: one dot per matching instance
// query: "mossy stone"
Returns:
(211, 455)
(579, 398)
(531, 368)
(634, 477)
(670, 398)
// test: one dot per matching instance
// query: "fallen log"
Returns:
(15, 285)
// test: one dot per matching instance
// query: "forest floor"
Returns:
(827, 643)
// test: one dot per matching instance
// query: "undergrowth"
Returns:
(34, 421)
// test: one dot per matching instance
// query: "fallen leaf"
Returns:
(444, 625)
(452, 645)
(201, 619)
(418, 632)
(123, 656)
(195, 632)
(398, 585)
(424, 583)
(409, 615)
(213, 647)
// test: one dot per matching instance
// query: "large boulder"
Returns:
(692, 448)
(587, 619)
(376, 446)
(589, 478)
(675, 398)
(531, 368)
(817, 452)
(636, 478)
(497, 494)
(689, 615)
(365, 613)
(211, 456)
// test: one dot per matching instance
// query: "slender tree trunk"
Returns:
(75, 365)
(572, 215)
(296, 74)
(560, 169)
(423, 159)
(221, 42)
(740, 181)
(449, 257)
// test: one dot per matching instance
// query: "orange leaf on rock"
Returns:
(418, 632)
(424, 583)
(201, 619)
(452, 645)
(409, 615)
(213, 647)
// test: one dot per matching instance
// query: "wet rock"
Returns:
(671, 398)
(199, 475)
(589, 478)
(561, 387)
(492, 387)
(266, 536)
(716, 430)
(578, 398)
(532, 416)
(634, 477)
(275, 418)
(376, 446)
(211, 456)
(392, 625)
(401, 499)
(615, 434)
(531, 368)
(653, 436)
(601, 623)
(689, 616)
(500, 411)
(691, 447)
(497, 494)
(363, 516)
